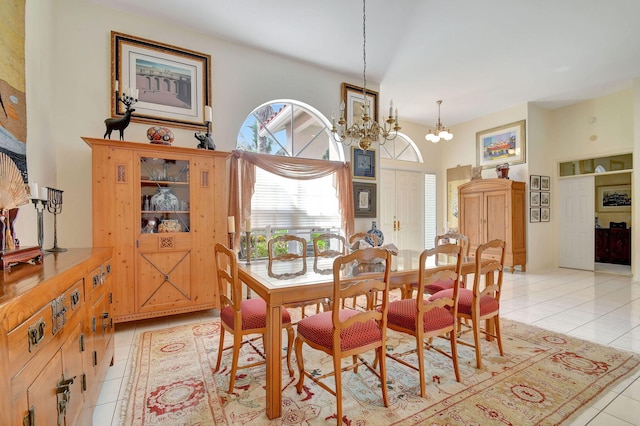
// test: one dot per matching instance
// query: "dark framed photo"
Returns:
(364, 199)
(545, 214)
(545, 199)
(534, 199)
(172, 84)
(354, 98)
(545, 183)
(363, 163)
(534, 215)
(534, 183)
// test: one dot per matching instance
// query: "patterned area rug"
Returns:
(544, 378)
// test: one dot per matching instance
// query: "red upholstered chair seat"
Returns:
(465, 299)
(254, 314)
(402, 313)
(318, 329)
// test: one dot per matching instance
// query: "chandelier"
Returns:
(367, 131)
(439, 132)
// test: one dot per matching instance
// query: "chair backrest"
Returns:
(431, 275)
(287, 247)
(364, 236)
(363, 284)
(329, 245)
(489, 264)
(455, 238)
(229, 286)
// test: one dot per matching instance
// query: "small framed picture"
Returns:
(363, 163)
(534, 215)
(534, 183)
(545, 183)
(534, 199)
(545, 199)
(545, 214)
(364, 199)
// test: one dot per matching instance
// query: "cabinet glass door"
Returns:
(164, 189)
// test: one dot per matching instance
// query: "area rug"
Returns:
(545, 378)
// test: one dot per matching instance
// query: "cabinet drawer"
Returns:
(33, 334)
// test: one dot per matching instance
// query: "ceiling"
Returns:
(479, 57)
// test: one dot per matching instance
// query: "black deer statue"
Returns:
(119, 124)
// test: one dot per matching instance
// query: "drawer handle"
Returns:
(96, 280)
(36, 333)
(75, 299)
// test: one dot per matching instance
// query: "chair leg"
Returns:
(496, 327)
(237, 342)
(421, 346)
(337, 368)
(289, 347)
(454, 353)
(476, 339)
(383, 375)
(300, 362)
(220, 348)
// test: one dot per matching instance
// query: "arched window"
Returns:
(401, 148)
(283, 205)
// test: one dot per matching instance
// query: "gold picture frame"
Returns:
(173, 83)
(502, 144)
(353, 98)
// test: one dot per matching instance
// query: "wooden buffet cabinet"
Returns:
(57, 338)
(495, 208)
(162, 209)
(613, 245)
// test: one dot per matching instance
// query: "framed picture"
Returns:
(545, 199)
(614, 198)
(534, 183)
(534, 199)
(363, 163)
(455, 177)
(503, 144)
(545, 214)
(173, 84)
(545, 183)
(534, 215)
(364, 199)
(353, 98)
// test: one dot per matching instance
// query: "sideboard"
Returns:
(56, 335)
(613, 245)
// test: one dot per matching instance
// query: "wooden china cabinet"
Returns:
(162, 209)
(495, 209)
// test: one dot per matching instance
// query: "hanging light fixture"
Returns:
(368, 131)
(439, 132)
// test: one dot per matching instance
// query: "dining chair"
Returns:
(329, 245)
(285, 247)
(242, 317)
(482, 302)
(343, 333)
(425, 319)
(364, 236)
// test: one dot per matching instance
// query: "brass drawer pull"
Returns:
(36, 333)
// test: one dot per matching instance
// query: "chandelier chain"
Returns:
(364, 48)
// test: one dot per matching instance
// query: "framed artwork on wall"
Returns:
(353, 98)
(614, 198)
(534, 215)
(545, 183)
(534, 183)
(364, 199)
(545, 214)
(363, 163)
(502, 144)
(455, 177)
(534, 199)
(173, 84)
(545, 199)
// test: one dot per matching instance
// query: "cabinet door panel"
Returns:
(42, 393)
(471, 218)
(73, 368)
(496, 216)
(164, 280)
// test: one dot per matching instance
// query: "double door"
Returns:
(402, 208)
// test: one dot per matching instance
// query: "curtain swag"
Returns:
(242, 180)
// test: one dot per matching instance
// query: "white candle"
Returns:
(136, 93)
(44, 193)
(231, 224)
(208, 114)
(391, 108)
(247, 225)
(33, 190)
(117, 85)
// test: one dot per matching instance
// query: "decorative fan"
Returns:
(13, 191)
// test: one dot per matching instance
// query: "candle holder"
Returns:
(40, 206)
(231, 235)
(54, 205)
(248, 241)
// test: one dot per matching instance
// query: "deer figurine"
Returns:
(119, 123)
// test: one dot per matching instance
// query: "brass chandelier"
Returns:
(367, 131)
(440, 132)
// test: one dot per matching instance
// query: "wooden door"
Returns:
(575, 221)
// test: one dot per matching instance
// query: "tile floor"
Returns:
(601, 307)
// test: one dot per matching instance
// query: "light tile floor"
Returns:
(600, 307)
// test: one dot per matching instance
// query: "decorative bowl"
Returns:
(169, 225)
(160, 135)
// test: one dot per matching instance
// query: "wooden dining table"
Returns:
(290, 282)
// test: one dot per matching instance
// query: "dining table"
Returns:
(292, 282)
